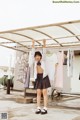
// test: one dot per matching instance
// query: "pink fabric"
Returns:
(59, 71)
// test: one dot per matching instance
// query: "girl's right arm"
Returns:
(31, 55)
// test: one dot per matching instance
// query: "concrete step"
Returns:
(24, 100)
(30, 92)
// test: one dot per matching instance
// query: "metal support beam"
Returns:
(12, 48)
(47, 36)
(42, 26)
(25, 37)
(69, 32)
(13, 41)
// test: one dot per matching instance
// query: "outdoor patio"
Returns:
(58, 110)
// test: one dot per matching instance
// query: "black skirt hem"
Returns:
(42, 83)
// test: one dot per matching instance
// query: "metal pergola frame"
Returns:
(38, 30)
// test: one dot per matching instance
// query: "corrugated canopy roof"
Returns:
(59, 35)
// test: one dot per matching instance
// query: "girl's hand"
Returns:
(33, 43)
(44, 43)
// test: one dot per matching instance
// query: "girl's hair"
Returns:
(38, 54)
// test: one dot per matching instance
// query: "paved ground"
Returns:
(17, 111)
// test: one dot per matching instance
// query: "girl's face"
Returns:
(37, 58)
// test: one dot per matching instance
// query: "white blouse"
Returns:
(31, 61)
(47, 63)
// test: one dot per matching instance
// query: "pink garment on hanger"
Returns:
(59, 71)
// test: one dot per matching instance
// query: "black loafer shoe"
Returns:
(43, 112)
(38, 111)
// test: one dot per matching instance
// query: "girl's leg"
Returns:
(38, 97)
(38, 111)
(44, 110)
(45, 98)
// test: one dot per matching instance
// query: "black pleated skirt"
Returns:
(42, 83)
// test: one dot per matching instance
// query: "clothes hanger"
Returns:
(49, 53)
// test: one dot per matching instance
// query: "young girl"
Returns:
(41, 80)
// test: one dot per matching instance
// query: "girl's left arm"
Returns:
(31, 55)
(44, 50)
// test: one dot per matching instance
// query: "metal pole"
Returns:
(8, 86)
(9, 75)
